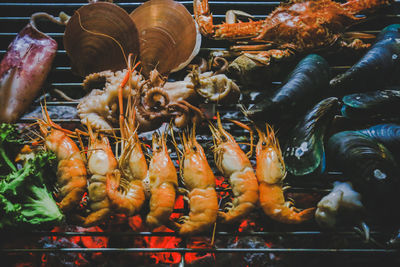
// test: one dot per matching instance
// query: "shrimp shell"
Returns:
(199, 180)
(270, 173)
(163, 182)
(233, 163)
(71, 170)
(101, 161)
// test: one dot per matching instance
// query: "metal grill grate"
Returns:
(14, 16)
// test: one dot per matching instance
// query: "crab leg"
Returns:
(229, 30)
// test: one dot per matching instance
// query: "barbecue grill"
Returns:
(282, 245)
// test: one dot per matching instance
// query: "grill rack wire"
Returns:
(14, 15)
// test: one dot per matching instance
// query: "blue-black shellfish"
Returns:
(306, 85)
(372, 170)
(304, 151)
(372, 106)
(380, 66)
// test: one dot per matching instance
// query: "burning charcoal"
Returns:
(62, 259)
(247, 259)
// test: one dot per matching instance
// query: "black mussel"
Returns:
(372, 170)
(372, 106)
(388, 135)
(305, 86)
(378, 67)
(304, 151)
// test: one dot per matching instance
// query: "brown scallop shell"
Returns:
(90, 52)
(169, 38)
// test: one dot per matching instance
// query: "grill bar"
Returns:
(65, 80)
(215, 250)
(263, 234)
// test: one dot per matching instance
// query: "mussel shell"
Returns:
(304, 151)
(388, 135)
(305, 86)
(168, 35)
(90, 52)
(378, 67)
(371, 168)
(374, 105)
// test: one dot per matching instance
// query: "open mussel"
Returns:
(169, 38)
(378, 67)
(97, 36)
(304, 151)
(371, 168)
(372, 106)
(305, 86)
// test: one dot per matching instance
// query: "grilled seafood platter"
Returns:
(158, 126)
(294, 27)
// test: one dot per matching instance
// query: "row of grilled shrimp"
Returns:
(119, 185)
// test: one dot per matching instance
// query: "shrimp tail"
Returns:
(72, 181)
(129, 201)
(245, 189)
(273, 204)
(71, 200)
(203, 211)
(161, 204)
(94, 218)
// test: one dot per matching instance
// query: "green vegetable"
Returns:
(24, 196)
(8, 136)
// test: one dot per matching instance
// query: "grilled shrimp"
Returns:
(199, 181)
(71, 169)
(233, 163)
(270, 172)
(125, 185)
(163, 182)
(101, 161)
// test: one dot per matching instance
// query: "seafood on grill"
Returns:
(271, 172)
(306, 85)
(163, 183)
(125, 185)
(233, 163)
(387, 134)
(71, 169)
(97, 36)
(299, 26)
(169, 36)
(377, 68)
(24, 68)
(199, 182)
(373, 106)
(156, 101)
(251, 73)
(372, 170)
(340, 201)
(304, 151)
(100, 162)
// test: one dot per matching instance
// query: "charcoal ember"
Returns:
(247, 259)
(62, 259)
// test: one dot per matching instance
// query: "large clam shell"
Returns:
(90, 52)
(169, 38)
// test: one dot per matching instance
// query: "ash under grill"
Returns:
(260, 243)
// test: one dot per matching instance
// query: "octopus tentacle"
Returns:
(222, 63)
(96, 78)
(156, 98)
